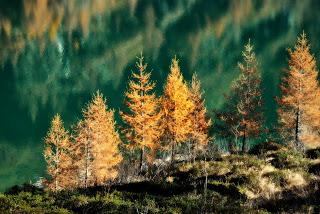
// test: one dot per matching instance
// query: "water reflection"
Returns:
(54, 53)
(52, 38)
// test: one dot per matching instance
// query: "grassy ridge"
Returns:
(271, 178)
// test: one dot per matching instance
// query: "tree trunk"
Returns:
(297, 129)
(172, 152)
(298, 143)
(57, 169)
(244, 143)
(205, 183)
(206, 173)
(189, 148)
(141, 160)
(86, 167)
(195, 149)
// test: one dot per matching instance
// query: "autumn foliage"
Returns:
(57, 153)
(299, 109)
(178, 107)
(199, 117)
(97, 142)
(143, 118)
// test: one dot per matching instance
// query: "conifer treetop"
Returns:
(249, 58)
(201, 121)
(177, 104)
(142, 119)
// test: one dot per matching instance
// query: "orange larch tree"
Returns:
(178, 107)
(143, 119)
(97, 144)
(299, 106)
(200, 120)
(244, 116)
(57, 153)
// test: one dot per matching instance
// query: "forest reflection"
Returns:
(59, 48)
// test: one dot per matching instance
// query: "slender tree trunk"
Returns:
(297, 128)
(172, 152)
(86, 167)
(205, 183)
(206, 173)
(298, 143)
(194, 154)
(244, 143)
(189, 148)
(142, 148)
(141, 160)
(57, 170)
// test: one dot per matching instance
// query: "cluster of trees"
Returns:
(299, 102)
(178, 119)
(90, 155)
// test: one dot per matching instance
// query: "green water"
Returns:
(55, 54)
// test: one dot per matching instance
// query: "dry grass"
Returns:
(295, 179)
(268, 188)
(257, 177)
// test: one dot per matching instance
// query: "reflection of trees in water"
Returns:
(42, 19)
(60, 48)
(19, 164)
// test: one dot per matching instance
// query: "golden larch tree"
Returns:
(178, 107)
(57, 153)
(97, 144)
(299, 104)
(200, 120)
(143, 118)
(244, 116)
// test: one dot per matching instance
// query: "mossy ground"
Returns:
(271, 180)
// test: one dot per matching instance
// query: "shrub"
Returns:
(228, 189)
(276, 177)
(16, 189)
(262, 148)
(26, 202)
(283, 159)
(313, 153)
(314, 169)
